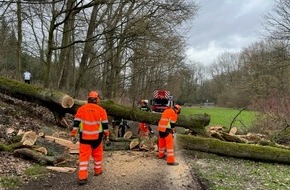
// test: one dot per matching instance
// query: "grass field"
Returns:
(223, 116)
(227, 173)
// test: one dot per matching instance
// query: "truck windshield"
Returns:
(162, 102)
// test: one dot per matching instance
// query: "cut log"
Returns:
(57, 102)
(134, 143)
(66, 101)
(38, 157)
(63, 142)
(128, 135)
(251, 137)
(238, 150)
(232, 138)
(42, 150)
(233, 131)
(29, 138)
(27, 143)
(146, 144)
(215, 129)
(61, 169)
(60, 104)
(217, 136)
(46, 97)
(10, 131)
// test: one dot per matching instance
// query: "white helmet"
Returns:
(146, 101)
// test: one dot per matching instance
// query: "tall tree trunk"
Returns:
(114, 45)
(19, 40)
(87, 50)
(65, 59)
(49, 48)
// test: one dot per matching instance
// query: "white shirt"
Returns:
(26, 75)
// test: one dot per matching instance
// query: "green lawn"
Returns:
(227, 173)
(223, 116)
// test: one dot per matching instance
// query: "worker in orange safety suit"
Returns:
(166, 128)
(91, 122)
(144, 128)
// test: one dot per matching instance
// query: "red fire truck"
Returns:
(161, 100)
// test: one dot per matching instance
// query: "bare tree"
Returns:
(225, 72)
(66, 58)
(120, 47)
(277, 22)
(19, 40)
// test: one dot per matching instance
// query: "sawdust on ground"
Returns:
(128, 170)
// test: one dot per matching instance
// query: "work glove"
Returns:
(73, 140)
(152, 132)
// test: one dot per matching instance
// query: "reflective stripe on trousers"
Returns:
(97, 165)
(85, 152)
(167, 144)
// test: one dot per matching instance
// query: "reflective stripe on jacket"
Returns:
(167, 117)
(91, 117)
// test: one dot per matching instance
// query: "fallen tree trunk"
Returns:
(38, 157)
(116, 145)
(60, 104)
(196, 122)
(46, 97)
(57, 102)
(62, 142)
(11, 147)
(43, 151)
(238, 150)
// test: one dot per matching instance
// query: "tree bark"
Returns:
(54, 100)
(57, 102)
(238, 150)
(11, 147)
(44, 152)
(38, 157)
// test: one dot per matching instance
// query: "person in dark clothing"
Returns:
(119, 126)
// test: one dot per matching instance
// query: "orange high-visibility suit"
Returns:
(144, 128)
(165, 140)
(92, 123)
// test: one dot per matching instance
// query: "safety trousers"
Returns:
(166, 144)
(85, 151)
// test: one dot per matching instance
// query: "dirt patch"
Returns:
(126, 170)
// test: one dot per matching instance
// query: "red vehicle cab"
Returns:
(161, 100)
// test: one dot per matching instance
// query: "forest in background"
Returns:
(127, 49)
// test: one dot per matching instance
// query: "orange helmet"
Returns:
(177, 108)
(93, 94)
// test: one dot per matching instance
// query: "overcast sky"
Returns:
(225, 26)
